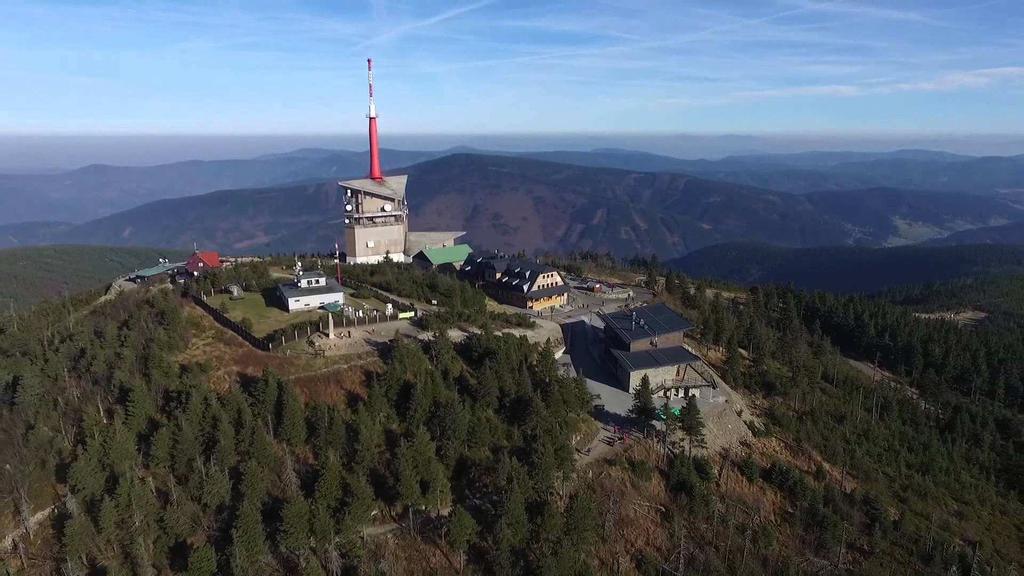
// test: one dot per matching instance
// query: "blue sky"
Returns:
(489, 66)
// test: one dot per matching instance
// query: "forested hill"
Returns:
(108, 414)
(1012, 233)
(848, 269)
(35, 273)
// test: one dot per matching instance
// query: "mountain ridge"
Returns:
(515, 203)
(848, 268)
(98, 190)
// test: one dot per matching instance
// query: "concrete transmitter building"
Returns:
(648, 340)
(376, 213)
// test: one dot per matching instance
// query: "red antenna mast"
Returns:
(375, 171)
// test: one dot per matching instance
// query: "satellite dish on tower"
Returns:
(348, 207)
(388, 207)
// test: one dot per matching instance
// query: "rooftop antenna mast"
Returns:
(337, 261)
(375, 172)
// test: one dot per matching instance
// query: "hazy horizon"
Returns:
(25, 153)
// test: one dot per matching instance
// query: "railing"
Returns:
(405, 310)
(222, 319)
(293, 331)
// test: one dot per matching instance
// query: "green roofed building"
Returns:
(154, 273)
(445, 257)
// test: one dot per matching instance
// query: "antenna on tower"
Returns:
(337, 261)
(375, 172)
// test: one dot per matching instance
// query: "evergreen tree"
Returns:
(160, 449)
(644, 409)
(291, 419)
(248, 540)
(202, 562)
(462, 529)
(512, 528)
(734, 362)
(295, 525)
(693, 424)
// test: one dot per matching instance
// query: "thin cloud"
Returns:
(424, 23)
(961, 80)
(874, 12)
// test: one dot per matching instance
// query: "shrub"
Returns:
(749, 468)
(640, 469)
(704, 468)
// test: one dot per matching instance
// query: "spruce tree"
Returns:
(462, 529)
(693, 424)
(643, 408)
(295, 525)
(248, 540)
(202, 562)
(160, 449)
(291, 421)
(734, 363)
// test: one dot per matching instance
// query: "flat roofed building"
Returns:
(309, 291)
(673, 371)
(422, 240)
(644, 327)
(516, 282)
(648, 341)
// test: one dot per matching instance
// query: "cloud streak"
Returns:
(439, 18)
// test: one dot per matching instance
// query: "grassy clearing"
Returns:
(369, 303)
(331, 379)
(265, 317)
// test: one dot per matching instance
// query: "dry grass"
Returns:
(265, 318)
(332, 378)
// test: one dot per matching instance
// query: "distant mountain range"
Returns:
(100, 190)
(824, 171)
(848, 269)
(516, 203)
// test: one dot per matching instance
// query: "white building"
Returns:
(310, 291)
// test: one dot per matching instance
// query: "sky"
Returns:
(513, 66)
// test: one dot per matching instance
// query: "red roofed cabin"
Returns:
(201, 261)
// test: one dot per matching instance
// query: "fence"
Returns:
(404, 309)
(219, 317)
(293, 331)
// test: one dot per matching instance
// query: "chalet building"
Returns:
(516, 282)
(201, 261)
(445, 259)
(310, 291)
(648, 340)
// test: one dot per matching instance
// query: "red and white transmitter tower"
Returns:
(376, 215)
(375, 172)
